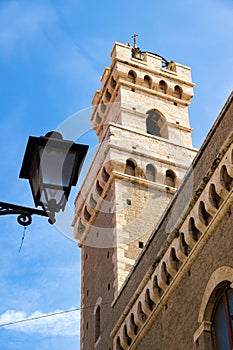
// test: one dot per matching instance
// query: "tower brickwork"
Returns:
(141, 118)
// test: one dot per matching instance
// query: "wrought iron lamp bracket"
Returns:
(24, 213)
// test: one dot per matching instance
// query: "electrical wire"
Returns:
(23, 236)
(49, 315)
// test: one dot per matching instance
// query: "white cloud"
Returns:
(61, 324)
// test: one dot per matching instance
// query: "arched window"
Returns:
(170, 178)
(130, 167)
(216, 309)
(162, 86)
(222, 321)
(150, 172)
(177, 91)
(97, 323)
(156, 125)
(132, 76)
(147, 81)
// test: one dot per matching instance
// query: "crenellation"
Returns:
(152, 61)
(183, 72)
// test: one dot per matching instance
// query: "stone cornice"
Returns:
(153, 137)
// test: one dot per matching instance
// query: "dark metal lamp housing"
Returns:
(52, 166)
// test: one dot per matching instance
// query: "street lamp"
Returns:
(52, 166)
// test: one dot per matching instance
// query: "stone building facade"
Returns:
(156, 261)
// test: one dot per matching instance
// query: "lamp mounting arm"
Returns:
(24, 213)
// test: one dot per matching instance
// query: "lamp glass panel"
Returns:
(49, 193)
(56, 165)
(68, 168)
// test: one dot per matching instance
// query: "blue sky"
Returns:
(52, 54)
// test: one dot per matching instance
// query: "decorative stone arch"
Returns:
(156, 124)
(220, 277)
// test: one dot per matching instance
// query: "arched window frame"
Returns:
(150, 172)
(163, 86)
(177, 92)
(132, 76)
(130, 167)
(156, 124)
(147, 81)
(97, 318)
(220, 278)
(224, 306)
(170, 178)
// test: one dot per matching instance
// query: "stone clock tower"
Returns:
(141, 118)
